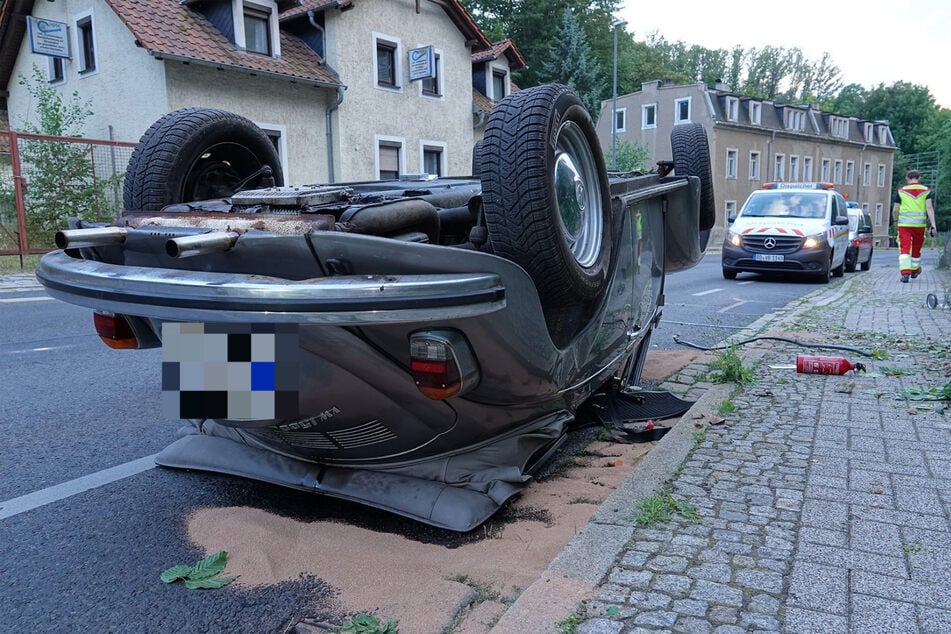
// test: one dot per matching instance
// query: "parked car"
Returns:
(799, 228)
(444, 331)
(861, 243)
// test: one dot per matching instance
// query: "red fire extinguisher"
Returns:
(826, 365)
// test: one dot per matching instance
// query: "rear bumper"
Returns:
(179, 295)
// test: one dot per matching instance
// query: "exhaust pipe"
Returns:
(95, 237)
(201, 244)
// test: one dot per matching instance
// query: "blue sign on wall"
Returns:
(48, 37)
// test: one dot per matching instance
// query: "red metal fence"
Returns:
(44, 180)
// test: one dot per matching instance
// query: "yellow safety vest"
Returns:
(913, 208)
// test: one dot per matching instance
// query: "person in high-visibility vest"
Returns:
(913, 210)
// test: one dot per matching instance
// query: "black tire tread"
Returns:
(157, 152)
(691, 156)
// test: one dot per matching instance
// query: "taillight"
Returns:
(115, 331)
(855, 243)
(442, 364)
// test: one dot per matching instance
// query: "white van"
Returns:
(800, 228)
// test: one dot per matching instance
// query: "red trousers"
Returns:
(910, 240)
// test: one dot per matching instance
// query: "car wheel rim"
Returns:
(218, 171)
(577, 192)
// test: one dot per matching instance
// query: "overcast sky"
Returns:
(871, 41)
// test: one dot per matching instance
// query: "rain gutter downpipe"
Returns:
(330, 110)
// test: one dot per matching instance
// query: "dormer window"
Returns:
(499, 84)
(839, 127)
(882, 135)
(869, 132)
(756, 112)
(795, 119)
(255, 27)
(732, 108)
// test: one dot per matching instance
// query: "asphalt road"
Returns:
(88, 524)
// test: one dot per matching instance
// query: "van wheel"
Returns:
(839, 271)
(850, 256)
(868, 263)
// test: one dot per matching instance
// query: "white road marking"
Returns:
(739, 302)
(712, 290)
(34, 500)
(43, 349)
(13, 300)
(746, 282)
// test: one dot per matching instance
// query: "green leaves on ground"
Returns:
(204, 575)
(931, 394)
(729, 367)
(363, 623)
(658, 509)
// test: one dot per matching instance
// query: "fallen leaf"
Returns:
(615, 463)
(715, 420)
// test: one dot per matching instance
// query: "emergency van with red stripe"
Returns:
(797, 228)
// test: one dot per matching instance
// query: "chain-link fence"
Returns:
(45, 180)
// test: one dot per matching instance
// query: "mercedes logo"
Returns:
(769, 243)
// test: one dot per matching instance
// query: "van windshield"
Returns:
(786, 204)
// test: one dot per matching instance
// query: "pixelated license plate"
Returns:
(230, 371)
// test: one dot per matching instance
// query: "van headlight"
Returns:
(811, 242)
(735, 239)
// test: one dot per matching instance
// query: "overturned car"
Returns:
(420, 345)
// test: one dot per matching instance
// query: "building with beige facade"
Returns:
(754, 141)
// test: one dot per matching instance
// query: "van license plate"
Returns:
(767, 257)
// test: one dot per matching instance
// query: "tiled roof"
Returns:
(481, 102)
(503, 47)
(167, 28)
(311, 5)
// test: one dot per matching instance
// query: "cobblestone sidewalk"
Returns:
(823, 503)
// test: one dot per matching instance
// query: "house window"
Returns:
(55, 70)
(257, 30)
(499, 82)
(433, 155)
(826, 174)
(388, 153)
(387, 58)
(732, 108)
(430, 85)
(879, 214)
(729, 209)
(795, 120)
(756, 112)
(648, 116)
(837, 172)
(620, 120)
(867, 174)
(682, 110)
(85, 43)
(807, 168)
(731, 163)
(869, 132)
(849, 172)
(794, 168)
(754, 166)
(881, 174)
(779, 167)
(277, 135)
(840, 127)
(882, 135)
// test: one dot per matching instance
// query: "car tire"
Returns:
(850, 256)
(868, 263)
(839, 271)
(546, 199)
(196, 154)
(691, 157)
(729, 275)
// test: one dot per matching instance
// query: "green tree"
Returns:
(60, 181)
(631, 157)
(570, 62)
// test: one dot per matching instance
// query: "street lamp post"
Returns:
(617, 24)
